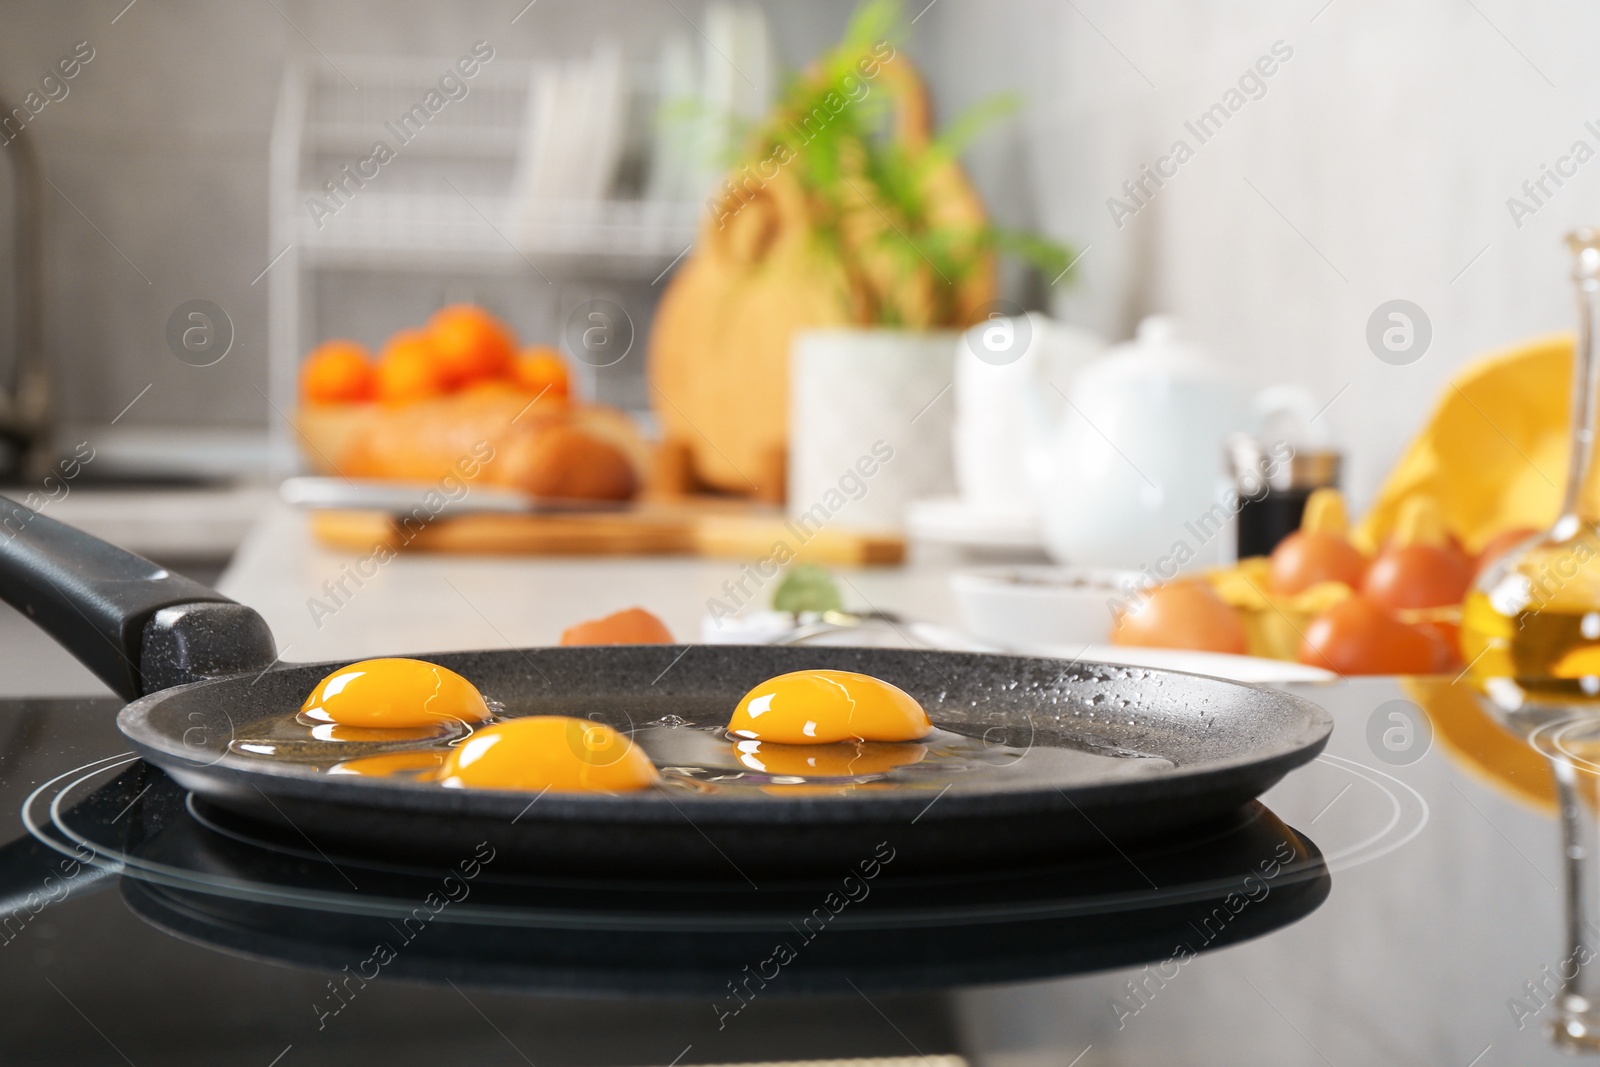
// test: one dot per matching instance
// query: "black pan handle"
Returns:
(134, 624)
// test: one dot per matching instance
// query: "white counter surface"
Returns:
(167, 524)
(421, 603)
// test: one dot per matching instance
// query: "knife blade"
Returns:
(317, 493)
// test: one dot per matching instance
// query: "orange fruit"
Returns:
(491, 387)
(635, 626)
(471, 344)
(409, 369)
(541, 371)
(337, 372)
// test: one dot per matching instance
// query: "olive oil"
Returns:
(1534, 620)
(1550, 655)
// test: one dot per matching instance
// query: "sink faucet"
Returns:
(26, 448)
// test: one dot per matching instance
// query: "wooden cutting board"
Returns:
(716, 529)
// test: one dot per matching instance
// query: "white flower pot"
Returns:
(869, 430)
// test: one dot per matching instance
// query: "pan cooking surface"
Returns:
(1009, 728)
(695, 755)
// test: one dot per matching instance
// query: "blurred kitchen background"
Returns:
(1377, 166)
(1374, 164)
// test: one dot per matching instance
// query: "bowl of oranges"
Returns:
(462, 383)
(460, 347)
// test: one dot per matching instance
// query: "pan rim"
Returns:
(1303, 736)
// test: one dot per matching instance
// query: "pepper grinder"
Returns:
(1273, 481)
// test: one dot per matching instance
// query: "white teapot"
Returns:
(993, 391)
(1125, 458)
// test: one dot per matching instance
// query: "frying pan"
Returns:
(197, 667)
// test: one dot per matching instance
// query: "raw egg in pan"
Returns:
(393, 694)
(567, 755)
(820, 707)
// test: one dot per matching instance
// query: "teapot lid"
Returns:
(1157, 330)
(1159, 345)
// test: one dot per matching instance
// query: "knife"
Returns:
(398, 498)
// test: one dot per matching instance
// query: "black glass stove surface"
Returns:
(158, 930)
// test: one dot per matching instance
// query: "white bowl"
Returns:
(951, 520)
(1017, 606)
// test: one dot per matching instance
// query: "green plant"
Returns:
(887, 202)
(807, 587)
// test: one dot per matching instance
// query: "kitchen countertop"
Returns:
(415, 603)
(201, 523)
(423, 602)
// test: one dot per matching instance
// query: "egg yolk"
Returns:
(390, 693)
(821, 707)
(839, 760)
(539, 752)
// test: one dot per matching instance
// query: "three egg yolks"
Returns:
(814, 722)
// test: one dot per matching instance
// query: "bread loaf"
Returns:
(549, 448)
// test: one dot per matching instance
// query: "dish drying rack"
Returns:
(566, 172)
(452, 191)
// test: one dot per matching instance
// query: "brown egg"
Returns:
(1184, 614)
(1320, 551)
(1418, 576)
(1421, 566)
(1357, 636)
(1502, 543)
(1303, 559)
(634, 626)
